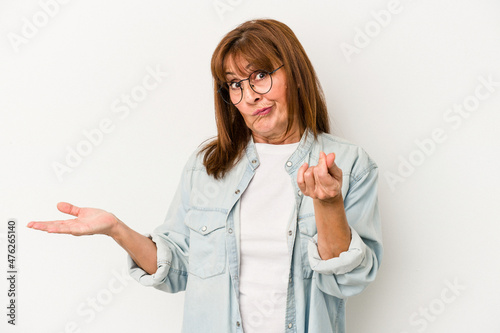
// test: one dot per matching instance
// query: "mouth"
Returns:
(262, 112)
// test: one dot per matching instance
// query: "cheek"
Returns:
(281, 94)
(278, 95)
(245, 115)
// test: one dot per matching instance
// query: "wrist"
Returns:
(335, 201)
(116, 229)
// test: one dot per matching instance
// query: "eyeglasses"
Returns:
(260, 81)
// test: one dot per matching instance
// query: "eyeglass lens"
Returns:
(259, 81)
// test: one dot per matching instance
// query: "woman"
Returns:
(258, 239)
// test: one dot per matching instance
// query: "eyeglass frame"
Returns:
(248, 79)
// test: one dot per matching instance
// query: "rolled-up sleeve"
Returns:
(352, 271)
(344, 263)
(164, 260)
(172, 243)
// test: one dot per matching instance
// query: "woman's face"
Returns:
(265, 115)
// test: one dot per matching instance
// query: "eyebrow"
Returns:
(248, 67)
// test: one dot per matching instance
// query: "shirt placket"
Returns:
(231, 242)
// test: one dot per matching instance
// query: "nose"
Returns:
(249, 95)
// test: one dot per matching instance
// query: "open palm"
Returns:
(88, 221)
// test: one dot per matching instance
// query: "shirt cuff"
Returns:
(164, 260)
(344, 263)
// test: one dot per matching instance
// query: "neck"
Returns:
(291, 137)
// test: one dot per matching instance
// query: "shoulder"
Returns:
(194, 164)
(349, 156)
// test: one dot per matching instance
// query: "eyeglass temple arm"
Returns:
(276, 69)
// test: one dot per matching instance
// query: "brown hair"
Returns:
(266, 44)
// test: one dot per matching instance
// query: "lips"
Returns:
(262, 112)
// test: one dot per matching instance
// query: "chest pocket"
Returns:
(207, 248)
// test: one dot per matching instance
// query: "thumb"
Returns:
(322, 160)
(330, 160)
(333, 169)
(322, 164)
(68, 208)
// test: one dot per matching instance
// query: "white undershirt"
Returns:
(266, 208)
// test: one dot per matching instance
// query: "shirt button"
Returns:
(299, 192)
(289, 232)
(254, 161)
(289, 163)
(204, 228)
(290, 325)
(290, 280)
(238, 323)
(230, 231)
(237, 191)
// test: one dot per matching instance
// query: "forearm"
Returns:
(334, 233)
(140, 248)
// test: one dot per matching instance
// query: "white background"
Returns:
(440, 221)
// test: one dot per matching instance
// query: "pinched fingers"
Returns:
(318, 182)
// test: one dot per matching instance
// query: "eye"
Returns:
(235, 85)
(258, 76)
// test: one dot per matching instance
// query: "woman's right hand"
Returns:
(91, 221)
(88, 221)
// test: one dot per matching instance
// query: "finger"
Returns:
(321, 172)
(321, 169)
(300, 177)
(68, 208)
(309, 181)
(323, 179)
(325, 185)
(330, 159)
(333, 169)
(46, 225)
(63, 227)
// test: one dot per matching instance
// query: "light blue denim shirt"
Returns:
(198, 244)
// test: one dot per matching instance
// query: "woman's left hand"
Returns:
(323, 181)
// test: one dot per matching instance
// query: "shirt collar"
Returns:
(293, 162)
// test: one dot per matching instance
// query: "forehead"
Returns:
(237, 66)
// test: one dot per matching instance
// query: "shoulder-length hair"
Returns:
(266, 44)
